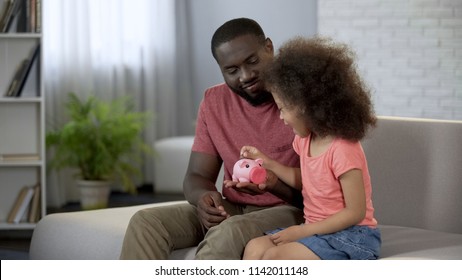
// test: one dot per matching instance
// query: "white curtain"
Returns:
(118, 47)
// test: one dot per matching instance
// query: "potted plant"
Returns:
(103, 141)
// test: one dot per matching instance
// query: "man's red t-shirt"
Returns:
(226, 122)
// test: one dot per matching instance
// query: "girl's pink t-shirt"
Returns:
(226, 122)
(322, 192)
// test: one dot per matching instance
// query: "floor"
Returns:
(14, 245)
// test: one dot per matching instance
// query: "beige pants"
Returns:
(154, 233)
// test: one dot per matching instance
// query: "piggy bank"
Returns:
(249, 170)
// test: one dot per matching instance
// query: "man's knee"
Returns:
(152, 233)
(237, 226)
(140, 217)
(228, 239)
(144, 219)
(155, 216)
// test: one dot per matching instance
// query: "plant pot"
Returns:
(94, 194)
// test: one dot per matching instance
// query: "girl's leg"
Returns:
(289, 251)
(255, 249)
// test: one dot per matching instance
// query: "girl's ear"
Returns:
(269, 45)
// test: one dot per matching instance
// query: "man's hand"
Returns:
(244, 187)
(253, 189)
(210, 209)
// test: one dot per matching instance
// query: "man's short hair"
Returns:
(235, 28)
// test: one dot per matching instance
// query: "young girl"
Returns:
(322, 98)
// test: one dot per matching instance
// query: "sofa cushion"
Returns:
(415, 171)
(413, 243)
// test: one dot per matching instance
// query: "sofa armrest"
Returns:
(84, 235)
(171, 163)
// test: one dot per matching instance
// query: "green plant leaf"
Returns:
(103, 139)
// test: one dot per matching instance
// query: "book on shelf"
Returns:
(29, 18)
(23, 17)
(11, 9)
(34, 209)
(21, 205)
(38, 16)
(4, 13)
(22, 72)
(19, 157)
(17, 75)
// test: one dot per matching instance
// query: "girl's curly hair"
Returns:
(319, 78)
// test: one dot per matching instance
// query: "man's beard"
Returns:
(263, 96)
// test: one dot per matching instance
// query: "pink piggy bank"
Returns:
(249, 170)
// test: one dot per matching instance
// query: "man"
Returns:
(237, 113)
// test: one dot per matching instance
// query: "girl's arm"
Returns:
(289, 175)
(353, 213)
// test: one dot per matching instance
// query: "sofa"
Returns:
(416, 172)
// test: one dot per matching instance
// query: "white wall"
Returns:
(279, 19)
(410, 52)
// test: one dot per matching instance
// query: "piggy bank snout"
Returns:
(258, 175)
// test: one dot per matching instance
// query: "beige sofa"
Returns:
(416, 170)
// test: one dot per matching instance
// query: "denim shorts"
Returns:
(353, 243)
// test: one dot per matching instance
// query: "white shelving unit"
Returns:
(22, 125)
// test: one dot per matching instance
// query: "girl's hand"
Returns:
(253, 153)
(291, 176)
(288, 235)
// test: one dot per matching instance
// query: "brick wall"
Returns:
(409, 52)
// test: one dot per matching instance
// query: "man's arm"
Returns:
(200, 176)
(200, 190)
